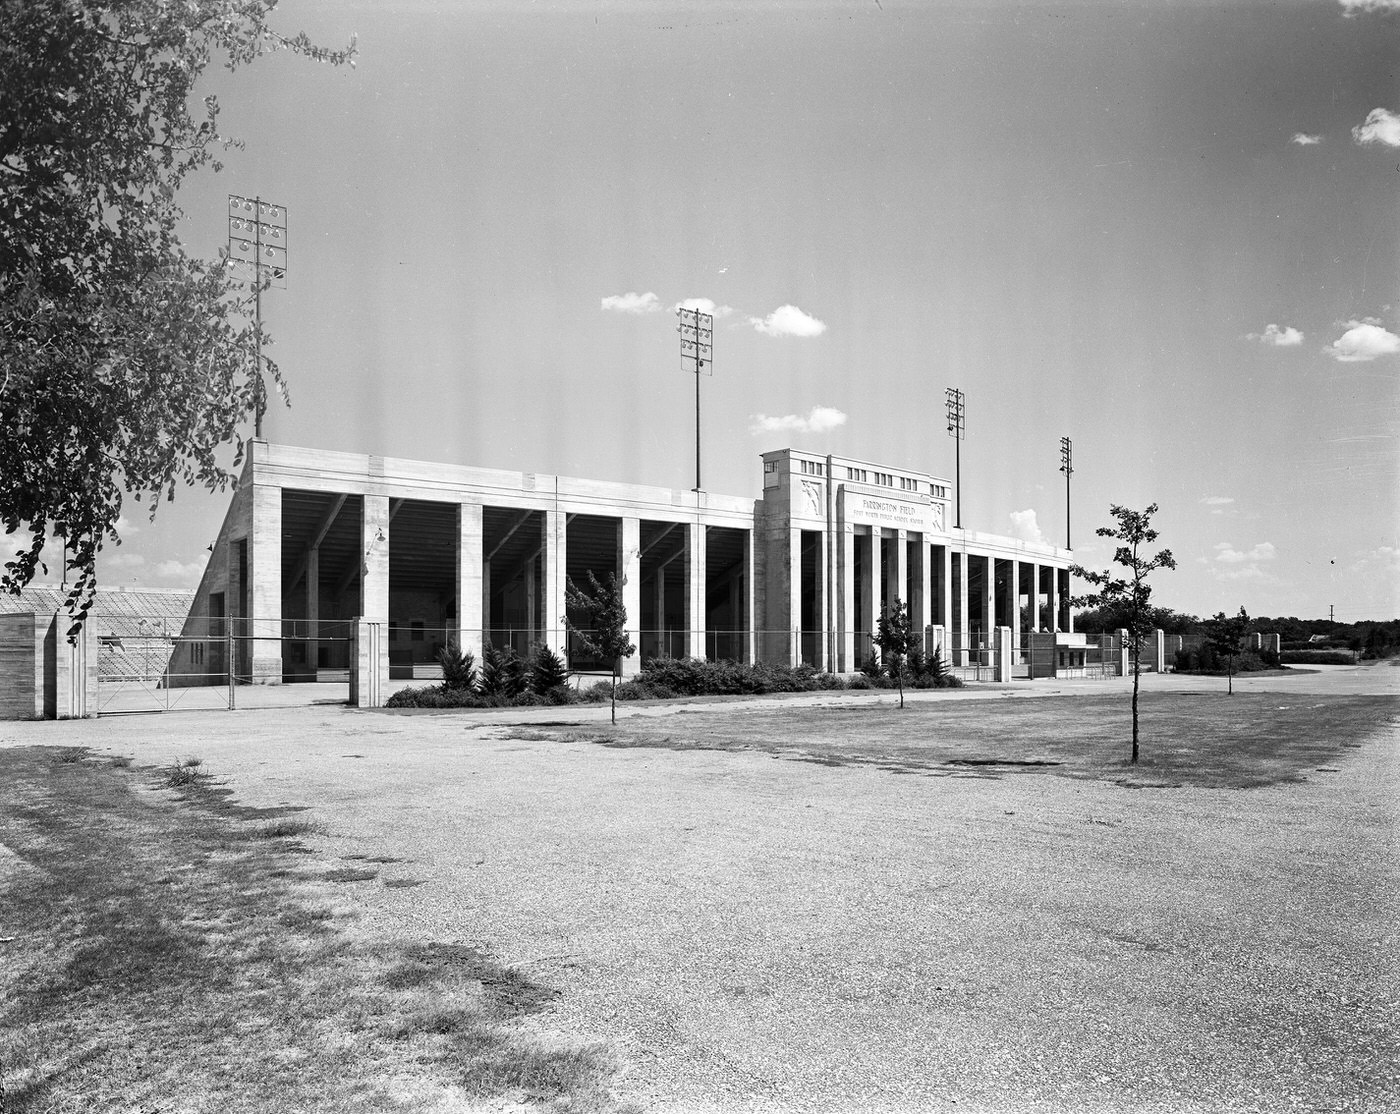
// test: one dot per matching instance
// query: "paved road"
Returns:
(761, 935)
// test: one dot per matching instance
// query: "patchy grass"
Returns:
(1196, 739)
(165, 948)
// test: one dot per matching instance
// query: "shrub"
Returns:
(1318, 657)
(503, 673)
(859, 681)
(547, 670)
(871, 666)
(458, 667)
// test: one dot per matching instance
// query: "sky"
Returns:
(1167, 231)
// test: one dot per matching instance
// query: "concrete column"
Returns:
(845, 599)
(944, 617)
(1052, 598)
(989, 600)
(1012, 601)
(629, 574)
(747, 579)
(368, 647)
(532, 601)
(696, 563)
(468, 579)
(937, 642)
(1157, 643)
(794, 601)
(1035, 596)
(1066, 612)
(963, 635)
(556, 536)
(1002, 648)
(658, 603)
(374, 590)
(1125, 664)
(313, 606)
(920, 614)
(899, 568)
(870, 587)
(265, 572)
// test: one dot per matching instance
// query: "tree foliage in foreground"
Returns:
(1128, 596)
(125, 363)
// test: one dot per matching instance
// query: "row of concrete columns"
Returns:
(933, 580)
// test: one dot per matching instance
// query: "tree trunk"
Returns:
(899, 676)
(1136, 672)
(1229, 680)
(614, 694)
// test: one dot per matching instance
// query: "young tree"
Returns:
(1225, 635)
(893, 635)
(126, 365)
(1128, 597)
(602, 625)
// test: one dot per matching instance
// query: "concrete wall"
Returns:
(44, 675)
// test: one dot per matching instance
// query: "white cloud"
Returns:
(788, 321)
(1227, 554)
(1381, 564)
(704, 305)
(1362, 7)
(1303, 139)
(120, 560)
(1364, 340)
(818, 420)
(183, 573)
(1279, 338)
(632, 303)
(1217, 500)
(1026, 528)
(1381, 126)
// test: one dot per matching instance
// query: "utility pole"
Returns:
(257, 237)
(1067, 467)
(957, 429)
(697, 355)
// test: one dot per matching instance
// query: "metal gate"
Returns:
(164, 663)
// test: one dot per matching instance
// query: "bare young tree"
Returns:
(1128, 595)
(601, 623)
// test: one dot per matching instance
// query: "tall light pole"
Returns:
(257, 238)
(697, 350)
(957, 429)
(1067, 467)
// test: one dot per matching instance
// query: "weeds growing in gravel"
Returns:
(142, 940)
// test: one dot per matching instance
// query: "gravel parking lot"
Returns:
(762, 935)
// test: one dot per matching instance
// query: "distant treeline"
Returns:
(1369, 638)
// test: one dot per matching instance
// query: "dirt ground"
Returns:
(760, 934)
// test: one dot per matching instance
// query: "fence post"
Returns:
(1002, 644)
(366, 667)
(228, 654)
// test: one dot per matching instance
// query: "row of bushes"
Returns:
(505, 680)
(1204, 659)
(1319, 657)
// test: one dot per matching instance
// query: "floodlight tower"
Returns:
(257, 238)
(697, 352)
(957, 429)
(1067, 467)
